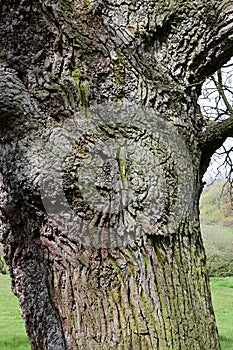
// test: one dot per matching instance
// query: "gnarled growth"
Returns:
(102, 151)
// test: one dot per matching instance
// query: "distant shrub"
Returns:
(218, 241)
(215, 204)
(220, 266)
(3, 266)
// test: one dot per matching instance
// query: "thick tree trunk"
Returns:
(102, 153)
(152, 296)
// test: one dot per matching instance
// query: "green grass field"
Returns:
(12, 331)
(222, 296)
(13, 336)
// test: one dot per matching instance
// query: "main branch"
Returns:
(214, 136)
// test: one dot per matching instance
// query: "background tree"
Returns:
(66, 62)
(216, 103)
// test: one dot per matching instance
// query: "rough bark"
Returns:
(64, 60)
(213, 137)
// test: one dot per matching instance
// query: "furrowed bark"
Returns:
(136, 298)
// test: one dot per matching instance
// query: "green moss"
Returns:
(86, 3)
(76, 75)
(67, 5)
(134, 314)
(118, 69)
(117, 268)
(83, 93)
(148, 311)
(145, 260)
(122, 166)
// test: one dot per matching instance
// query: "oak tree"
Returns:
(103, 149)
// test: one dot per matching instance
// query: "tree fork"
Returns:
(60, 61)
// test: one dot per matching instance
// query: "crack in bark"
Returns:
(73, 54)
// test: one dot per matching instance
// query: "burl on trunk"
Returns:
(103, 148)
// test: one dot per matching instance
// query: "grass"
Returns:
(222, 296)
(13, 335)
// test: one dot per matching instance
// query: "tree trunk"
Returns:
(103, 148)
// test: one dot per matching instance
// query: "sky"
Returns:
(213, 106)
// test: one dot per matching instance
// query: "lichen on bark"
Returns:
(110, 88)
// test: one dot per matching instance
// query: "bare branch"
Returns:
(215, 134)
(221, 90)
(219, 113)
